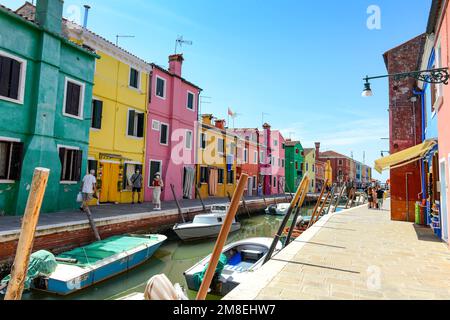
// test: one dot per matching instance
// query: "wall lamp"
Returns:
(435, 76)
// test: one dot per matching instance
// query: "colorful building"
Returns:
(119, 106)
(310, 168)
(248, 158)
(45, 98)
(278, 163)
(294, 164)
(171, 130)
(216, 159)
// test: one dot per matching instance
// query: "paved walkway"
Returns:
(358, 254)
(8, 223)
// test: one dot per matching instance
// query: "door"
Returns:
(109, 182)
(444, 211)
(250, 186)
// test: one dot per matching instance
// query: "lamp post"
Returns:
(434, 76)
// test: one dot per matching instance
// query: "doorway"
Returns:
(444, 189)
(109, 182)
(250, 186)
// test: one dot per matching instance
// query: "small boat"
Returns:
(205, 225)
(85, 266)
(242, 257)
(279, 209)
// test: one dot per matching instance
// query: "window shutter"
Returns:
(76, 90)
(140, 125)
(5, 76)
(97, 112)
(16, 161)
(164, 130)
(62, 151)
(131, 114)
(125, 178)
(14, 81)
(78, 161)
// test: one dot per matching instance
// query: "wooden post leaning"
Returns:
(26, 239)
(319, 201)
(223, 235)
(297, 213)
(180, 212)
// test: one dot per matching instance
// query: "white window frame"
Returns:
(246, 158)
(165, 87)
(193, 101)
(190, 140)
(139, 79)
(223, 144)
(136, 112)
(90, 126)
(150, 179)
(22, 78)
(8, 139)
(81, 104)
(158, 123)
(59, 146)
(160, 132)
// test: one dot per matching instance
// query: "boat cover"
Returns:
(103, 249)
(199, 276)
(42, 263)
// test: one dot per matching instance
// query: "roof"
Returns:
(18, 14)
(332, 154)
(308, 150)
(385, 55)
(176, 76)
(292, 143)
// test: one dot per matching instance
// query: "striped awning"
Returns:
(404, 157)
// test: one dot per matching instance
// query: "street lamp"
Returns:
(434, 76)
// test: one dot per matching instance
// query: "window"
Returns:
(274, 182)
(254, 182)
(188, 139)
(71, 160)
(134, 78)
(275, 143)
(155, 125)
(255, 157)
(245, 155)
(97, 111)
(190, 101)
(313, 168)
(279, 162)
(155, 166)
(282, 163)
(92, 165)
(11, 156)
(135, 124)
(261, 156)
(307, 166)
(164, 134)
(203, 141)
(12, 77)
(296, 165)
(204, 175)
(73, 99)
(230, 177)
(297, 151)
(220, 178)
(160, 87)
(340, 162)
(220, 145)
(130, 169)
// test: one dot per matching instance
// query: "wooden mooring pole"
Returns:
(172, 187)
(223, 235)
(26, 239)
(200, 197)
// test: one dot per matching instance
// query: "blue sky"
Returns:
(300, 61)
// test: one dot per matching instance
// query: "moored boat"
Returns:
(238, 259)
(205, 226)
(85, 266)
(279, 209)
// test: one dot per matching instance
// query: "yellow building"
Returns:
(329, 173)
(216, 158)
(118, 124)
(310, 168)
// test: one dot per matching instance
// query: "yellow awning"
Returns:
(404, 157)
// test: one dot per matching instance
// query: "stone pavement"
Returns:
(359, 254)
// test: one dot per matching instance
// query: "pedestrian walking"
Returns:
(370, 197)
(380, 198)
(374, 198)
(136, 183)
(260, 190)
(88, 189)
(158, 185)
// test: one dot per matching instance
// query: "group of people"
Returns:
(89, 189)
(375, 196)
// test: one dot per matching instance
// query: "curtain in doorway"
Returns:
(189, 176)
(213, 181)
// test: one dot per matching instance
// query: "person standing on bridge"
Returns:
(158, 185)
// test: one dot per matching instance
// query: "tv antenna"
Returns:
(180, 42)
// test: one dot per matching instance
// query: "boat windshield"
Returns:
(219, 208)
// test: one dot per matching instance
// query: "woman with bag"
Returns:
(157, 184)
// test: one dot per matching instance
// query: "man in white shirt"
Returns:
(88, 188)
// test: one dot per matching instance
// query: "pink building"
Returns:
(278, 162)
(170, 143)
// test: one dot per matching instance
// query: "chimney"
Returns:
(220, 124)
(207, 118)
(317, 150)
(175, 64)
(49, 15)
(86, 14)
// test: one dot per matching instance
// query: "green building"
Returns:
(294, 164)
(45, 102)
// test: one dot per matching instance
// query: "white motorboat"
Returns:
(242, 257)
(205, 225)
(279, 209)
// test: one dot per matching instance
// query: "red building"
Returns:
(405, 126)
(343, 166)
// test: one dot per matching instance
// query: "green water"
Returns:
(172, 259)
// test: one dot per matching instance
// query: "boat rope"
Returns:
(85, 254)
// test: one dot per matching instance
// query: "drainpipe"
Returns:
(421, 93)
(86, 14)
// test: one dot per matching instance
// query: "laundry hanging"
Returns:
(189, 176)
(213, 181)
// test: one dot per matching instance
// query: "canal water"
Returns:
(172, 259)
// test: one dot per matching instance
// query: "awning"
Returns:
(404, 157)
